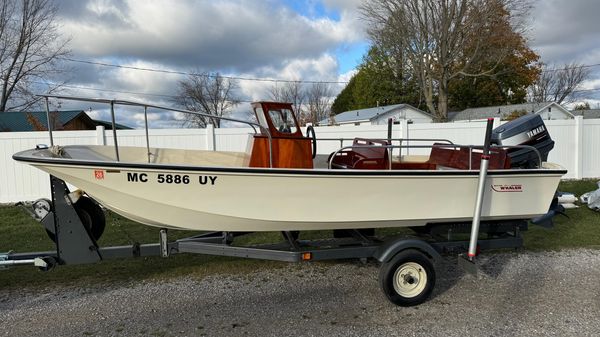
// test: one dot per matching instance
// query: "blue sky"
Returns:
(348, 55)
(313, 9)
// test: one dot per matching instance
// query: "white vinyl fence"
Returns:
(577, 146)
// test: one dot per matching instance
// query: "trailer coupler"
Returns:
(42, 263)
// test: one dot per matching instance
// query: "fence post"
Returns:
(404, 135)
(579, 147)
(210, 137)
(100, 136)
(497, 122)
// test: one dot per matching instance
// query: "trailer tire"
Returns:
(91, 216)
(408, 278)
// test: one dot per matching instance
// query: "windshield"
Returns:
(283, 120)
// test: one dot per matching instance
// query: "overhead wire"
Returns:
(119, 91)
(174, 96)
(175, 72)
(240, 78)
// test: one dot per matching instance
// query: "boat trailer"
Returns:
(408, 263)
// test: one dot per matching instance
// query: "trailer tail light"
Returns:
(306, 256)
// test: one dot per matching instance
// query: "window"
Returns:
(261, 117)
(283, 120)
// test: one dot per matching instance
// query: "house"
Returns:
(380, 115)
(587, 114)
(62, 120)
(548, 110)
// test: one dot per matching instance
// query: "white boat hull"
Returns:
(224, 199)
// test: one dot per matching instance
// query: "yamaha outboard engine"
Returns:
(527, 130)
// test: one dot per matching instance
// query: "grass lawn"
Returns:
(21, 233)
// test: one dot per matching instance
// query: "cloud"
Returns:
(235, 35)
(565, 31)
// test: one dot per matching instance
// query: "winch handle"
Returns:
(488, 137)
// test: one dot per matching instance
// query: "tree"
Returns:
(582, 106)
(558, 85)
(443, 39)
(318, 96)
(211, 94)
(515, 114)
(508, 83)
(381, 79)
(345, 99)
(30, 49)
(290, 92)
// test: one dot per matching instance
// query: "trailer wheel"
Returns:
(91, 216)
(408, 278)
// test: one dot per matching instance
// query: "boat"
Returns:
(281, 184)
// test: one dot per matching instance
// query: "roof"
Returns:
(587, 114)
(367, 114)
(497, 111)
(108, 125)
(18, 120)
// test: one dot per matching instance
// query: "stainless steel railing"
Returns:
(113, 102)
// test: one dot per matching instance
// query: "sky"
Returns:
(312, 40)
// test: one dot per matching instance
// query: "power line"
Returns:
(256, 79)
(119, 91)
(240, 78)
(567, 68)
(230, 77)
(241, 101)
(114, 91)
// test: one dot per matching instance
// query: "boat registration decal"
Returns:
(163, 178)
(99, 174)
(508, 188)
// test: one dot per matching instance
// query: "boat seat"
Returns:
(445, 156)
(365, 154)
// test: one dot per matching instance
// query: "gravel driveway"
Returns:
(527, 294)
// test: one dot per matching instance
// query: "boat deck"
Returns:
(203, 158)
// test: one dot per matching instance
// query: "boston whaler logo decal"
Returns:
(508, 188)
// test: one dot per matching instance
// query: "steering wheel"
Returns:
(310, 130)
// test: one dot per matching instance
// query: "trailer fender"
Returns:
(388, 250)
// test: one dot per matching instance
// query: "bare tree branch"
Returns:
(290, 92)
(210, 94)
(560, 84)
(30, 48)
(444, 39)
(319, 102)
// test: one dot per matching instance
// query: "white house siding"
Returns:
(555, 113)
(400, 114)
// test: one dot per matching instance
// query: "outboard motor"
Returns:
(527, 130)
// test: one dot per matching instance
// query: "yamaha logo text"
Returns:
(536, 131)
